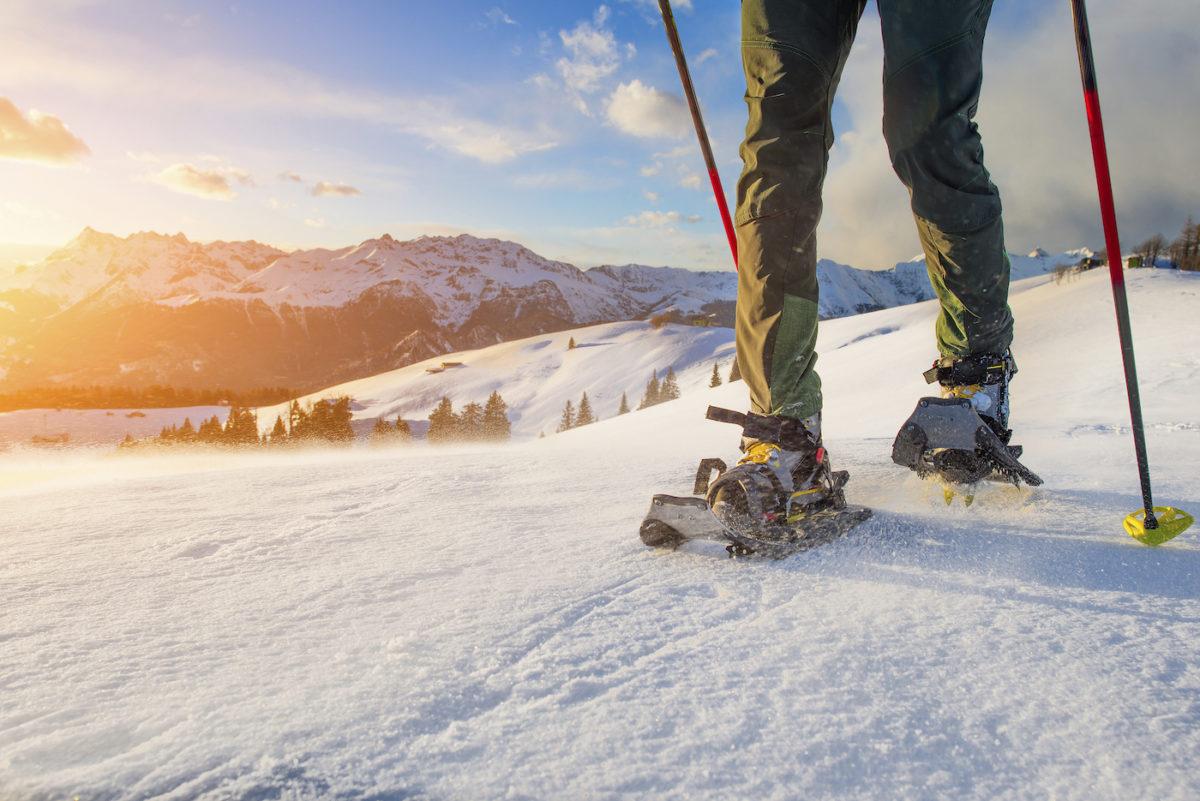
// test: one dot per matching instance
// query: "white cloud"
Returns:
(643, 111)
(690, 180)
(315, 222)
(189, 179)
(650, 170)
(288, 175)
(329, 189)
(37, 137)
(705, 55)
(592, 56)
(650, 196)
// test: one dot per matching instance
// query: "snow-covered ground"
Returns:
(475, 622)
(538, 375)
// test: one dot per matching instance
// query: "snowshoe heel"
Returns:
(948, 438)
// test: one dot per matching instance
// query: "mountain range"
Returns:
(156, 309)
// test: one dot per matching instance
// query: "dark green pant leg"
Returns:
(792, 52)
(933, 54)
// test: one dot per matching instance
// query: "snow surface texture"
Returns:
(474, 622)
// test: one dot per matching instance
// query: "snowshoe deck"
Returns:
(674, 520)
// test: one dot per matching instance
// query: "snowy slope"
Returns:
(477, 622)
(536, 376)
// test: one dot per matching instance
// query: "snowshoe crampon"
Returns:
(947, 438)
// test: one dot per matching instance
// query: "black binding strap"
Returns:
(983, 368)
(788, 432)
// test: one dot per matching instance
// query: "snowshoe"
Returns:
(962, 438)
(782, 496)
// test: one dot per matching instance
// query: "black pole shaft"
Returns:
(689, 91)
(1112, 243)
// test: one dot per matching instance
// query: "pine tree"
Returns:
(652, 390)
(278, 431)
(571, 343)
(211, 431)
(382, 431)
(715, 381)
(443, 422)
(403, 430)
(670, 387)
(584, 416)
(735, 373)
(470, 422)
(241, 427)
(624, 407)
(496, 426)
(567, 421)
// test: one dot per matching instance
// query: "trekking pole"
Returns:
(1152, 525)
(701, 134)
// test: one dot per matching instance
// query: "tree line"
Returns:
(151, 397)
(1183, 252)
(323, 422)
(474, 423)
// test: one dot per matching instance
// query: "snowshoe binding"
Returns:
(781, 497)
(962, 438)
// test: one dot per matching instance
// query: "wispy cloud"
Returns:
(267, 87)
(497, 16)
(293, 177)
(189, 179)
(658, 219)
(329, 189)
(705, 55)
(37, 137)
(643, 111)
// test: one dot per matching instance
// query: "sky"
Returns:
(558, 125)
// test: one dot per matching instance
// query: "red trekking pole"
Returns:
(1152, 525)
(698, 121)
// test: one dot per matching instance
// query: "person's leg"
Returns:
(793, 52)
(933, 52)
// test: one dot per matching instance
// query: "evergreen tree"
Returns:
(584, 416)
(670, 387)
(735, 373)
(403, 430)
(652, 390)
(470, 422)
(567, 421)
(211, 431)
(382, 431)
(624, 407)
(278, 432)
(296, 416)
(571, 343)
(715, 381)
(241, 427)
(443, 422)
(496, 426)
(187, 432)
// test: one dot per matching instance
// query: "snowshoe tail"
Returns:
(946, 437)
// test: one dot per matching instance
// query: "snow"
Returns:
(537, 375)
(482, 622)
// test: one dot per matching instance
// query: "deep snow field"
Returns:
(476, 623)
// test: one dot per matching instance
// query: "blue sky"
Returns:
(559, 125)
